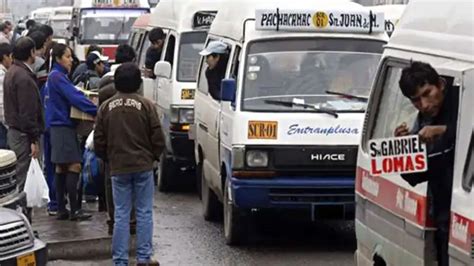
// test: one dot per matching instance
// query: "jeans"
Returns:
(136, 187)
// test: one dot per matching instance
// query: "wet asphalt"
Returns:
(182, 237)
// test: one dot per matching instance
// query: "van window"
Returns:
(234, 71)
(392, 99)
(131, 38)
(188, 61)
(144, 49)
(468, 177)
(169, 55)
(307, 69)
(137, 41)
(213, 86)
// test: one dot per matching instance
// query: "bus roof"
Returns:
(142, 21)
(443, 28)
(231, 17)
(179, 14)
(111, 4)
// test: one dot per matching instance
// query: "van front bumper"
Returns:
(38, 250)
(311, 193)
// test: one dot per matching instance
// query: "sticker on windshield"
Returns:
(187, 94)
(262, 130)
(401, 155)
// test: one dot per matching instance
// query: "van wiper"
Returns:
(291, 104)
(349, 96)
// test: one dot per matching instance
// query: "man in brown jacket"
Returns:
(23, 110)
(129, 138)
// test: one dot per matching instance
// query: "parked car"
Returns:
(10, 196)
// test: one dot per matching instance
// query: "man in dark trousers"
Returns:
(436, 102)
(23, 110)
(129, 138)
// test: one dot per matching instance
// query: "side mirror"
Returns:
(162, 69)
(228, 89)
(75, 31)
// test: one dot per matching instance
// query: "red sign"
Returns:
(394, 156)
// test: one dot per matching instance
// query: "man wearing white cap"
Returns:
(217, 56)
(96, 65)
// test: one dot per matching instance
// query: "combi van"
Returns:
(284, 133)
(60, 21)
(393, 221)
(186, 23)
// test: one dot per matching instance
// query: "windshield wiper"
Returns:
(349, 96)
(291, 104)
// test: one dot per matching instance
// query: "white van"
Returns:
(285, 131)
(60, 21)
(393, 221)
(41, 15)
(186, 23)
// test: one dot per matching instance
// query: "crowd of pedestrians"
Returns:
(39, 85)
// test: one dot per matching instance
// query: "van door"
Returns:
(208, 114)
(227, 112)
(164, 88)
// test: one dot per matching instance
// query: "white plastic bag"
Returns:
(90, 141)
(36, 188)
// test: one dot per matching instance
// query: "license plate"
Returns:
(262, 130)
(187, 94)
(26, 260)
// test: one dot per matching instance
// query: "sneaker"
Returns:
(80, 215)
(52, 212)
(150, 263)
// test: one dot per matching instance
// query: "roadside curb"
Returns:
(80, 249)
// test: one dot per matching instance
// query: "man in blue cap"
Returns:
(217, 56)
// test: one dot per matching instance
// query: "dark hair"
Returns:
(38, 37)
(128, 78)
(417, 75)
(125, 53)
(3, 26)
(92, 48)
(23, 48)
(5, 50)
(8, 23)
(30, 23)
(46, 30)
(58, 51)
(156, 34)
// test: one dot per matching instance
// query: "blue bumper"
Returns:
(294, 192)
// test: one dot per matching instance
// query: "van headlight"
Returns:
(256, 158)
(182, 115)
(186, 116)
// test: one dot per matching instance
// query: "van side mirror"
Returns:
(162, 69)
(75, 31)
(228, 89)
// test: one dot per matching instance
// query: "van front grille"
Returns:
(13, 237)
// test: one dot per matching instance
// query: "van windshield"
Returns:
(107, 26)
(310, 71)
(188, 63)
(60, 28)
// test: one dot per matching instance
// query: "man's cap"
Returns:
(214, 47)
(94, 58)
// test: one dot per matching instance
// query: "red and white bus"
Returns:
(106, 23)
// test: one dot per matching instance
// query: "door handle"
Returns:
(203, 127)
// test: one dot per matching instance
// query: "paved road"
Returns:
(182, 237)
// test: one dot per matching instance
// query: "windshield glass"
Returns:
(191, 44)
(60, 28)
(108, 26)
(304, 70)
